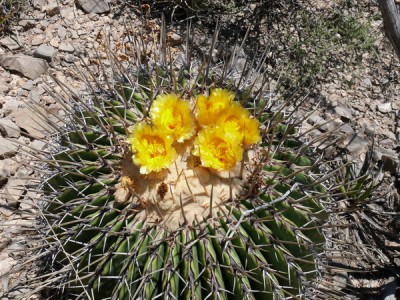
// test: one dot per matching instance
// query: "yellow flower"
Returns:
(216, 149)
(152, 148)
(173, 116)
(236, 121)
(209, 109)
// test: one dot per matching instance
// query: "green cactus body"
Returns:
(263, 243)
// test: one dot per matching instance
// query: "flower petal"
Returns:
(152, 149)
(173, 116)
(217, 150)
(209, 109)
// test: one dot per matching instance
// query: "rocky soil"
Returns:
(52, 37)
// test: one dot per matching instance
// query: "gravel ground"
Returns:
(357, 90)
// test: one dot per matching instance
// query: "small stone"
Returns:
(24, 172)
(66, 47)
(14, 191)
(31, 122)
(385, 107)
(7, 148)
(62, 32)
(54, 42)
(22, 93)
(27, 24)
(315, 119)
(9, 129)
(367, 82)
(37, 40)
(10, 43)
(28, 66)
(52, 8)
(38, 145)
(38, 4)
(8, 167)
(355, 145)
(46, 52)
(346, 128)
(28, 85)
(4, 87)
(360, 108)
(343, 112)
(331, 125)
(69, 58)
(389, 159)
(34, 96)
(94, 6)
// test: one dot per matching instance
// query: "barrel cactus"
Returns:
(182, 180)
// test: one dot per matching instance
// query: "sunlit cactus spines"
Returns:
(182, 182)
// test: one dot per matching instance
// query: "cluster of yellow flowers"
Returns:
(221, 129)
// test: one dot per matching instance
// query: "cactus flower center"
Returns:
(152, 149)
(217, 150)
(173, 116)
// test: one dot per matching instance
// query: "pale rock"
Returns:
(27, 24)
(389, 159)
(10, 42)
(44, 25)
(32, 122)
(346, 128)
(14, 190)
(62, 32)
(343, 112)
(28, 85)
(355, 145)
(315, 119)
(384, 107)
(9, 129)
(7, 148)
(24, 172)
(34, 96)
(48, 99)
(54, 42)
(46, 52)
(94, 6)
(22, 93)
(11, 104)
(367, 82)
(39, 4)
(331, 126)
(68, 13)
(69, 58)
(28, 66)
(52, 8)
(8, 167)
(38, 145)
(7, 263)
(389, 134)
(37, 40)
(4, 87)
(66, 47)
